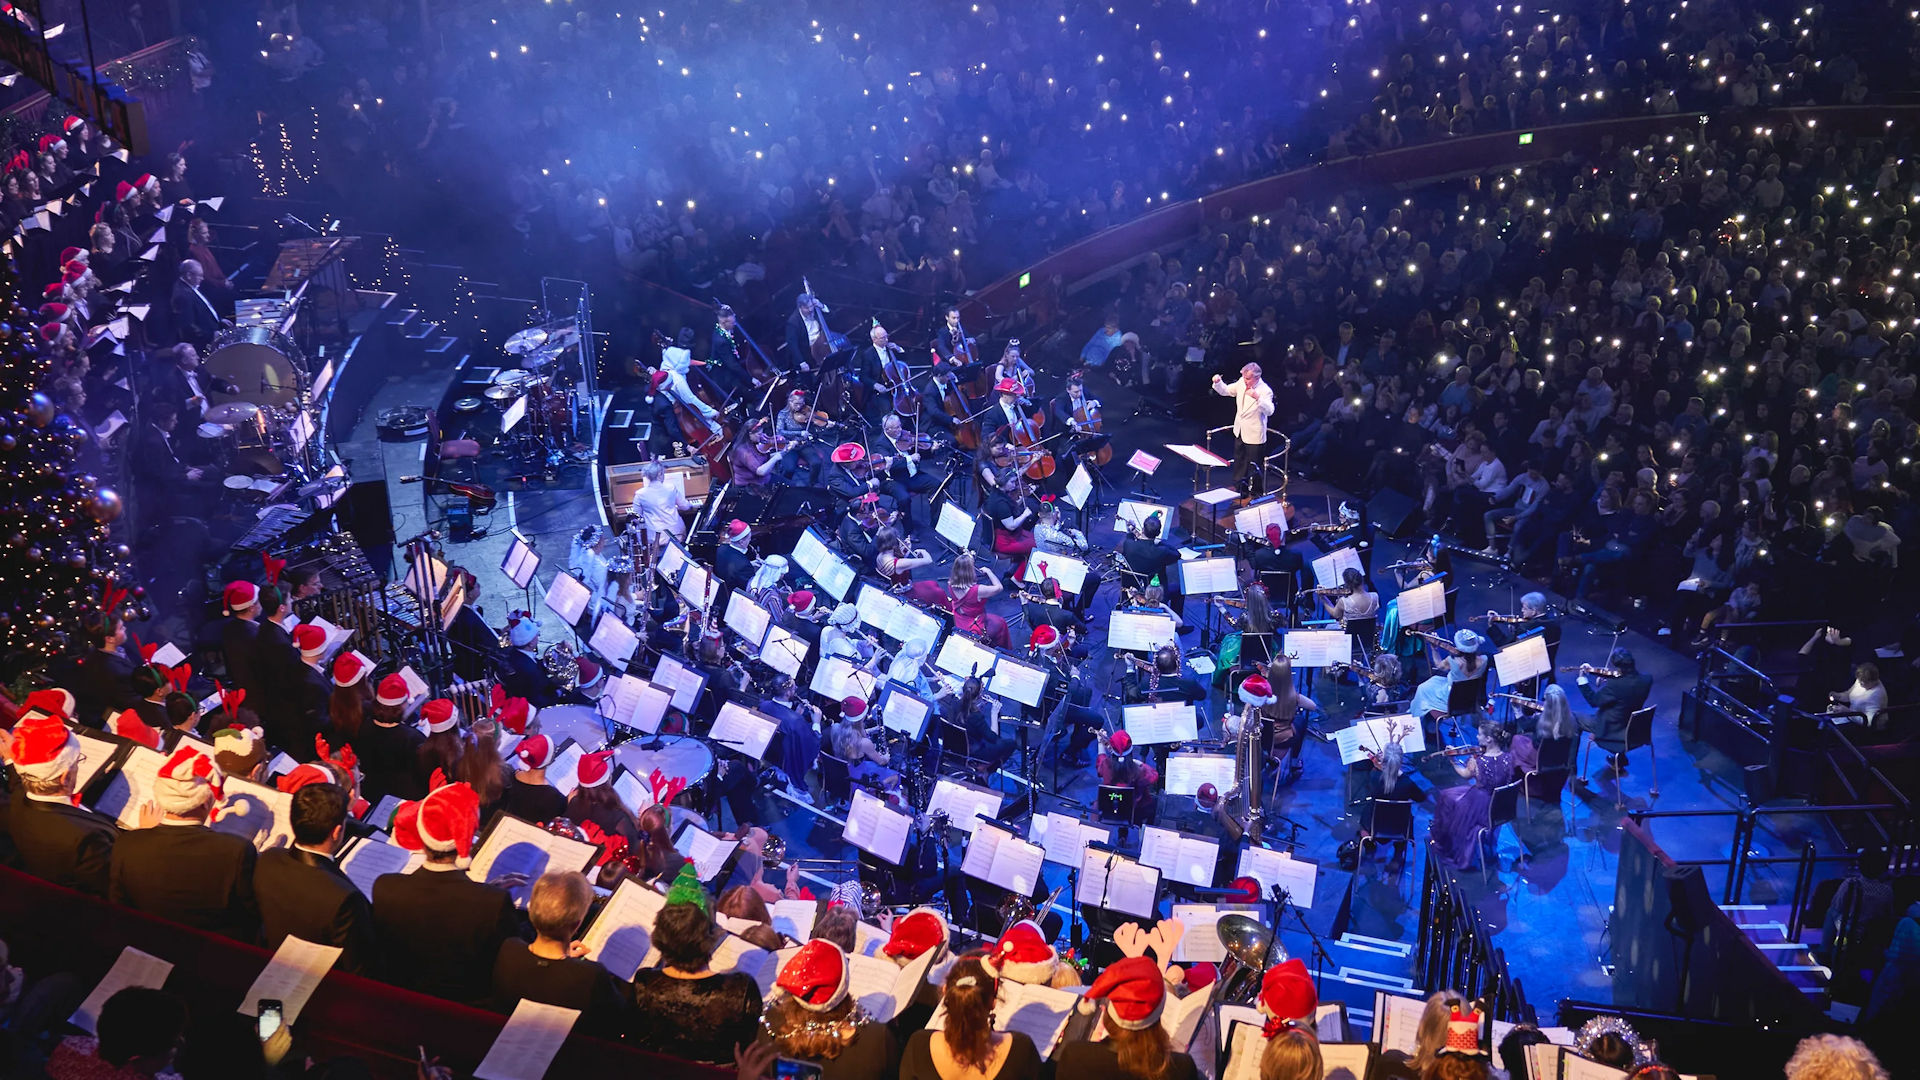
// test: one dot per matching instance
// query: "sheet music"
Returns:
(694, 583)
(685, 683)
(1396, 1022)
(875, 827)
(1575, 1067)
(567, 598)
(964, 657)
(1371, 735)
(381, 816)
(875, 605)
(1069, 570)
(673, 560)
(1064, 837)
(734, 953)
(742, 730)
(909, 623)
(634, 795)
(130, 790)
(978, 858)
(794, 918)
(1217, 497)
(368, 858)
(1181, 1016)
(1254, 518)
(613, 640)
(965, 804)
(836, 576)
(955, 526)
(1245, 1046)
(882, 988)
(95, 753)
(1016, 865)
(417, 688)
(1201, 942)
(1161, 722)
(1117, 883)
(1317, 648)
(1423, 603)
(1199, 455)
(563, 772)
(1201, 576)
(708, 852)
(256, 813)
(1024, 683)
(336, 636)
(132, 968)
(868, 939)
(1079, 486)
(1134, 631)
(1143, 463)
(290, 977)
(903, 711)
(837, 679)
(1345, 1060)
(637, 703)
(621, 937)
(1180, 856)
(1271, 868)
(514, 846)
(1136, 512)
(1329, 570)
(169, 654)
(527, 1044)
(520, 563)
(784, 651)
(1522, 660)
(1186, 772)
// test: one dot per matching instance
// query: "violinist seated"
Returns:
(1044, 605)
(1052, 534)
(903, 470)
(1352, 600)
(1162, 679)
(1149, 557)
(851, 475)
(1013, 515)
(1075, 412)
(798, 426)
(896, 560)
(972, 711)
(1119, 766)
(763, 458)
(860, 528)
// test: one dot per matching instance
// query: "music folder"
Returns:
(876, 828)
(743, 730)
(1524, 659)
(1113, 882)
(1186, 772)
(998, 857)
(1162, 722)
(711, 855)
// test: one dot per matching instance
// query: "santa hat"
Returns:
(350, 668)
(73, 269)
(595, 769)
(514, 714)
(441, 715)
(1463, 1033)
(128, 725)
(53, 312)
(310, 640)
(72, 124)
(74, 254)
(1044, 636)
(1256, 690)
(590, 673)
(50, 143)
(55, 290)
(853, 708)
(1135, 991)
(535, 751)
(736, 528)
(443, 821)
(523, 631)
(124, 192)
(800, 600)
(392, 691)
(239, 596)
(50, 332)
(1287, 995)
(816, 976)
(1022, 954)
(916, 933)
(848, 452)
(188, 780)
(43, 749)
(1121, 743)
(1243, 890)
(52, 701)
(147, 182)
(658, 377)
(302, 775)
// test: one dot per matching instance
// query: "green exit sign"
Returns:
(1526, 138)
(1025, 280)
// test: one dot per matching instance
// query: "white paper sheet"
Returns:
(1329, 570)
(828, 570)
(132, 968)
(366, 859)
(1317, 648)
(527, 1044)
(794, 918)
(634, 794)
(673, 562)
(742, 730)
(637, 703)
(734, 953)
(1245, 1045)
(1270, 868)
(1396, 1022)
(748, 619)
(518, 847)
(168, 655)
(965, 804)
(1017, 681)
(875, 827)
(1079, 486)
(1423, 603)
(696, 584)
(964, 657)
(1203, 576)
(614, 640)
(130, 790)
(1070, 571)
(1186, 772)
(882, 988)
(563, 772)
(1065, 837)
(1363, 737)
(1137, 512)
(1254, 518)
(621, 937)
(1201, 942)
(685, 683)
(955, 526)
(1117, 883)
(567, 598)
(784, 651)
(290, 977)
(1180, 856)
(1522, 660)
(381, 816)
(904, 711)
(1135, 631)
(836, 679)
(1160, 722)
(1038, 1012)
(708, 852)
(977, 860)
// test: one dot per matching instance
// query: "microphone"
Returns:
(411, 479)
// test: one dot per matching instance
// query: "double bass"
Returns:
(898, 375)
(711, 439)
(966, 433)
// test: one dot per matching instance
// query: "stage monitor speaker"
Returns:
(1396, 515)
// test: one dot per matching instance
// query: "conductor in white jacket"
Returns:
(1253, 403)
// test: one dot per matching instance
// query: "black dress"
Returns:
(916, 1063)
(573, 983)
(697, 1019)
(872, 1053)
(538, 803)
(1099, 1061)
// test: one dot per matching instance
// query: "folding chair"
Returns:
(1464, 698)
(1548, 781)
(1385, 821)
(1639, 733)
(1363, 631)
(1501, 810)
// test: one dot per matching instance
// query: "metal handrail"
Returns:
(1455, 951)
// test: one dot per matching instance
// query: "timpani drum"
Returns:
(682, 756)
(581, 723)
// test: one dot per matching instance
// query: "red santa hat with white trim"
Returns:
(1287, 996)
(42, 747)
(188, 780)
(916, 933)
(1256, 690)
(440, 714)
(595, 769)
(350, 668)
(1022, 954)
(393, 691)
(130, 725)
(535, 751)
(52, 701)
(239, 596)
(1135, 990)
(816, 976)
(310, 640)
(445, 821)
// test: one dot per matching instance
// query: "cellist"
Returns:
(1009, 422)
(1075, 412)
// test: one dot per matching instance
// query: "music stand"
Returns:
(1117, 805)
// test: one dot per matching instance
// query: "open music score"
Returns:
(966, 805)
(613, 640)
(636, 703)
(998, 857)
(694, 585)
(955, 526)
(1254, 518)
(1138, 631)
(876, 828)
(1162, 722)
(567, 598)
(521, 562)
(1186, 772)
(1271, 868)
(1143, 463)
(1524, 659)
(1135, 512)
(895, 618)
(1329, 570)
(1079, 487)
(748, 619)
(743, 730)
(1022, 682)
(1201, 943)
(1114, 882)
(829, 571)
(512, 845)
(964, 657)
(686, 683)
(785, 651)
(1064, 836)
(1317, 648)
(1069, 570)
(1201, 576)
(1199, 455)
(1183, 857)
(904, 711)
(709, 853)
(836, 679)
(673, 562)
(1423, 603)
(1363, 739)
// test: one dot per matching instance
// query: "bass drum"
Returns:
(264, 363)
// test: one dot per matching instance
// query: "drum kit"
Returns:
(536, 399)
(259, 435)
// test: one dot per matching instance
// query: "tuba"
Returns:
(1249, 752)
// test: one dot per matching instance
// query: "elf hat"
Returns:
(440, 715)
(43, 749)
(443, 821)
(1135, 991)
(393, 691)
(1022, 954)
(816, 977)
(919, 931)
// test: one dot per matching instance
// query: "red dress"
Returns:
(970, 612)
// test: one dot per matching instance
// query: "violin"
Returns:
(910, 442)
(1597, 672)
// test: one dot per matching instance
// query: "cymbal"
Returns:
(513, 377)
(231, 413)
(542, 356)
(526, 341)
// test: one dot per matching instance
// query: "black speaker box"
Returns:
(1395, 514)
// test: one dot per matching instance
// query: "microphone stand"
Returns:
(1282, 901)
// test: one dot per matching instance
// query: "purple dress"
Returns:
(1458, 812)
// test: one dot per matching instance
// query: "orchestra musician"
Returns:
(1051, 534)
(797, 426)
(1013, 517)
(970, 711)
(727, 352)
(894, 559)
(1008, 416)
(809, 341)
(1062, 412)
(1012, 367)
(664, 424)
(903, 474)
(1119, 766)
(911, 669)
(1163, 678)
(1042, 605)
(1353, 600)
(1284, 714)
(1276, 564)
(952, 345)
(733, 560)
(868, 365)
(801, 615)
(965, 594)
(1148, 557)
(943, 385)
(851, 476)
(864, 519)
(842, 637)
(677, 361)
(1073, 714)
(1534, 615)
(1616, 692)
(761, 458)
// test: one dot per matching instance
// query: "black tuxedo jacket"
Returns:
(190, 874)
(308, 896)
(101, 682)
(65, 844)
(240, 642)
(193, 320)
(442, 931)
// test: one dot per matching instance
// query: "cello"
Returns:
(1088, 414)
(898, 375)
(1026, 436)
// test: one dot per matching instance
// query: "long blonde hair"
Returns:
(1292, 1054)
(1146, 1054)
(1432, 1032)
(963, 573)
